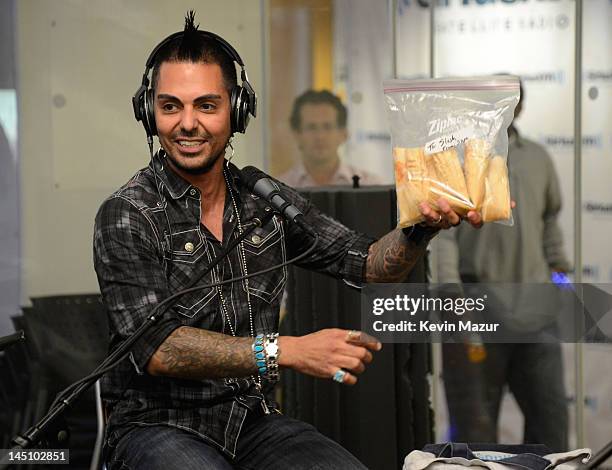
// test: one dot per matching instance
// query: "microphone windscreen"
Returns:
(250, 176)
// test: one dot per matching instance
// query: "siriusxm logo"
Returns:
(598, 207)
(552, 76)
(446, 3)
(591, 141)
(372, 136)
(590, 271)
(598, 75)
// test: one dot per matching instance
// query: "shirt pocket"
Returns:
(188, 253)
(264, 248)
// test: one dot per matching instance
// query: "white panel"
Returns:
(80, 61)
(363, 55)
(97, 58)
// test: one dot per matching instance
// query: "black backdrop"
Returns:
(387, 414)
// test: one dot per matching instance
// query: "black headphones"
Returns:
(243, 100)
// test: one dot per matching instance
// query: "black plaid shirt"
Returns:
(149, 244)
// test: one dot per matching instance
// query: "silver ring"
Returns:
(439, 219)
(339, 376)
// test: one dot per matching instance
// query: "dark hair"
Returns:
(192, 46)
(317, 97)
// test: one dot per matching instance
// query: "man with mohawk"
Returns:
(195, 391)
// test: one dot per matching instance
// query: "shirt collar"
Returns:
(343, 174)
(175, 184)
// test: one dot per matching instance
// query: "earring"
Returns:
(229, 144)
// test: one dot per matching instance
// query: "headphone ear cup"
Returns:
(138, 102)
(239, 112)
(148, 120)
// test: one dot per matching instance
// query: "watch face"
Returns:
(272, 349)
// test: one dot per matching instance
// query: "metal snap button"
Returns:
(256, 239)
(189, 247)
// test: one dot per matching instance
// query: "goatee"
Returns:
(200, 170)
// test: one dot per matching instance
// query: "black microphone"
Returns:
(261, 185)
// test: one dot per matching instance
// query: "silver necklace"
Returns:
(245, 271)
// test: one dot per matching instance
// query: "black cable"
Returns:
(166, 303)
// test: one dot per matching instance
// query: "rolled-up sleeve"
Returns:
(128, 260)
(340, 252)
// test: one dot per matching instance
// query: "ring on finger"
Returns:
(438, 220)
(352, 335)
(339, 376)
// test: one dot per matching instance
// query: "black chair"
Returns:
(69, 338)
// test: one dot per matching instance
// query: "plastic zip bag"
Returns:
(450, 140)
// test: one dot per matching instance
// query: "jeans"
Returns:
(270, 441)
(534, 374)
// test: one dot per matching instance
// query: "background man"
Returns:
(318, 120)
(475, 375)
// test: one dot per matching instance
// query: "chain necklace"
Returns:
(245, 271)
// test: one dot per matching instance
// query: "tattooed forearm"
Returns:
(392, 257)
(192, 353)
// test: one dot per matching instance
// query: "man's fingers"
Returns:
(432, 217)
(359, 351)
(475, 219)
(342, 376)
(349, 379)
(444, 217)
(351, 364)
(448, 213)
(363, 339)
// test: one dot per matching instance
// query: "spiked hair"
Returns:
(193, 46)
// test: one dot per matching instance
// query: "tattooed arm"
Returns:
(393, 256)
(193, 353)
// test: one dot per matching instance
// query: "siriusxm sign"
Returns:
(446, 3)
(372, 136)
(598, 207)
(560, 141)
(598, 75)
(550, 76)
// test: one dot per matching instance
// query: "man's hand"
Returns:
(393, 256)
(446, 217)
(324, 353)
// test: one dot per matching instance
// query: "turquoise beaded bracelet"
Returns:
(266, 352)
(260, 354)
